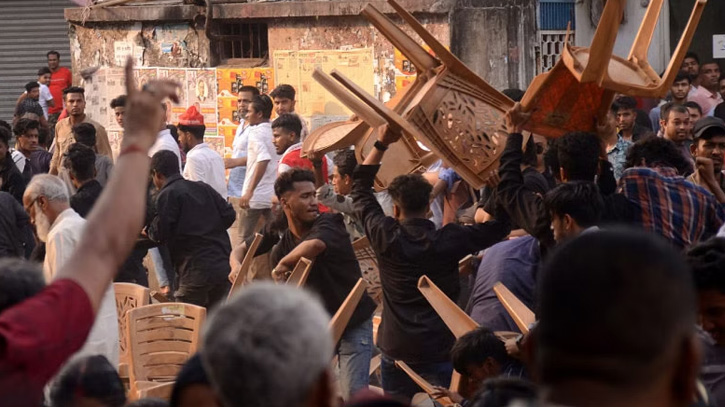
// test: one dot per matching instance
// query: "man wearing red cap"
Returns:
(202, 163)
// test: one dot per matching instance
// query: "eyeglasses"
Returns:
(27, 208)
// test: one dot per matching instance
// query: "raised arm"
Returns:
(116, 219)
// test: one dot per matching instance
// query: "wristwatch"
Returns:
(380, 146)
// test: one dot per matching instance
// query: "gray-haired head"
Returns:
(269, 346)
(49, 186)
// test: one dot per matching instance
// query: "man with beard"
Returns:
(707, 95)
(60, 227)
(675, 121)
(202, 163)
(708, 151)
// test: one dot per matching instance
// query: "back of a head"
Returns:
(263, 104)
(250, 89)
(80, 160)
(166, 163)
(49, 186)
(269, 343)
(707, 261)
(656, 152)
(19, 280)
(85, 133)
(88, 377)
(579, 199)
(578, 155)
(286, 181)
(475, 347)
(625, 103)
(283, 91)
(290, 122)
(44, 71)
(613, 308)
(345, 161)
(514, 94)
(23, 125)
(411, 192)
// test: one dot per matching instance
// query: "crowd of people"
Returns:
(612, 238)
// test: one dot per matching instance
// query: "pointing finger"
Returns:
(130, 80)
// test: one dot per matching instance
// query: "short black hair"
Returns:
(56, 53)
(165, 163)
(579, 199)
(191, 373)
(290, 122)
(91, 376)
(44, 71)
(252, 89)
(475, 347)
(578, 154)
(23, 125)
(5, 136)
(611, 304)
(74, 89)
(197, 131)
(707, 261)
(284, 91)
(174, 132)
(118, 102)
(503, 391)
(657, 151)
(80, 160)
(514, 94)
(85, 133)
(411, 192)
(286, 181)
(625, 102)
(681, 76)
(263, 103)
(345, 161)
(692, 55)
(19, 280)
(31, 85)
(690, 104)
(670, 107)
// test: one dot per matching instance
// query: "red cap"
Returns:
(191, 117)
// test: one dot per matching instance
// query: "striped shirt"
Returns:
(670, 206)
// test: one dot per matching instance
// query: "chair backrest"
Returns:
(521, 314)
(339, 321)
(369, 268)
(128, 297)
(243, 269)
(161, 337)
(455, 319)
(420, 381)
(300, 273)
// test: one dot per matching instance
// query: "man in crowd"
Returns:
(80, 162)
(664, 202)
(258, 190)
(40, 328)
(119, 109)
(271, 344)
(46, 98)
(678, 92)
(709, 149)
(284, 102)
(60, 227)
(16, 234)
(286, 131)
(192, 220)
(707, 94)
(616, 146)
(85, 133)
(626, 115)
(75, 102)
(30, 105)
(587, 294)
(28, 156)
(407, 247)
(11, 179)
(322, 238)
(202, 163)
(675, 122)
(691, 66)
(60, 80)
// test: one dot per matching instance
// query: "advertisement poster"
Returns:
(201, 92)
(174, 110)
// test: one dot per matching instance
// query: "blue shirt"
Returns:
(239, 150)
(514, 263)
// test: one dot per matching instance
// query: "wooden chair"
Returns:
(427, 387)
(369, 268)
(465, 266)
(241, 276)
(521, 314)
(339, 321)
(300, 273)
(161, 338)
(128, 296)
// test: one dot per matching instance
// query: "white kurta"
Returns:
(206, 165)
(63, 238)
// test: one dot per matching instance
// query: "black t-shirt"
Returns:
(335, 271)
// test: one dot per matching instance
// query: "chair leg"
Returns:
(362, 110)
(603, 43)
(641, 44)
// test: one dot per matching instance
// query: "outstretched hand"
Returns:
(143, 109)
(516, 118)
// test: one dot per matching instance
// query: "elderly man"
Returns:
(60, 227)
(272, 345)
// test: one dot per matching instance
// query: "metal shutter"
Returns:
(29, 29)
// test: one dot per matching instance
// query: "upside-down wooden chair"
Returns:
(128, 296)
(339, 321)
(300, 272)
(240, 277)
(420, 381)
(161, 338)
(450, 109)
(369, 268)
(521, 314)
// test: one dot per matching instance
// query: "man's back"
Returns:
(85, 197)
(261, 148)
(206, 165)
(16, 236)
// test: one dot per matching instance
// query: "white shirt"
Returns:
(63, 238)
(45, 96)
(261, 148)
(164, 141)
(206, 165)
(239, 150)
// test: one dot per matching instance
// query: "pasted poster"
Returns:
(174, 110)
(202, 92)
(230, 80)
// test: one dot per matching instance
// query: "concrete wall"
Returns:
(496, 39)
(711, 23)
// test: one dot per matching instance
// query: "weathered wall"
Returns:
(496, 39)
(351, 32)
(153, 44)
